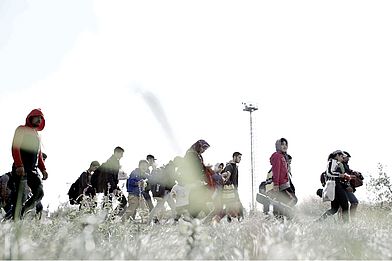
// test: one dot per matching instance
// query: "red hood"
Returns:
(36, 112)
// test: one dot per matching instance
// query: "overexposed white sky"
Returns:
(155, 76)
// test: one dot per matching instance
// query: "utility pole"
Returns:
(251, 108)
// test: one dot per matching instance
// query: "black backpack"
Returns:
(94, 181)
(73, 193)
(322, 178)
(99, 180)
(5, 187)
(158, 190)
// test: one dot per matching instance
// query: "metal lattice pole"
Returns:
(251, 108)
(252, 160)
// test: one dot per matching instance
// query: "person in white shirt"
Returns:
(180, 193)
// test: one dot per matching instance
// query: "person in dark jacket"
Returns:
(292, 187)
(154, 172)
(27, 155)
(162, 181)
(232, 167)
(111, 168)
(39, 207)
(85, 180)
(350, 187)
(230, 196)
(84, 190)
(105, 178)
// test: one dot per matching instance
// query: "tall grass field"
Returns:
(72, 234)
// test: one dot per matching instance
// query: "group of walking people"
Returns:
(185, 183)
(189, 187)
(338, 179)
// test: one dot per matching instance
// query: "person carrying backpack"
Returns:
(335, 171)
(355, 181)
(105, 179)
(230, 197)
(162, 181)
(85, 187)
(82, 186)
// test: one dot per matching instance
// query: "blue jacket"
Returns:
(132, 182)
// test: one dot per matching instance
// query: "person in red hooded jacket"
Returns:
(280, 175)
(27, 155)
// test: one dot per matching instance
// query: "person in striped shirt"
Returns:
(335, 171)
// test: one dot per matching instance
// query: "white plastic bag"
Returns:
(329, 191)
(122, 175)
(228, 192)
